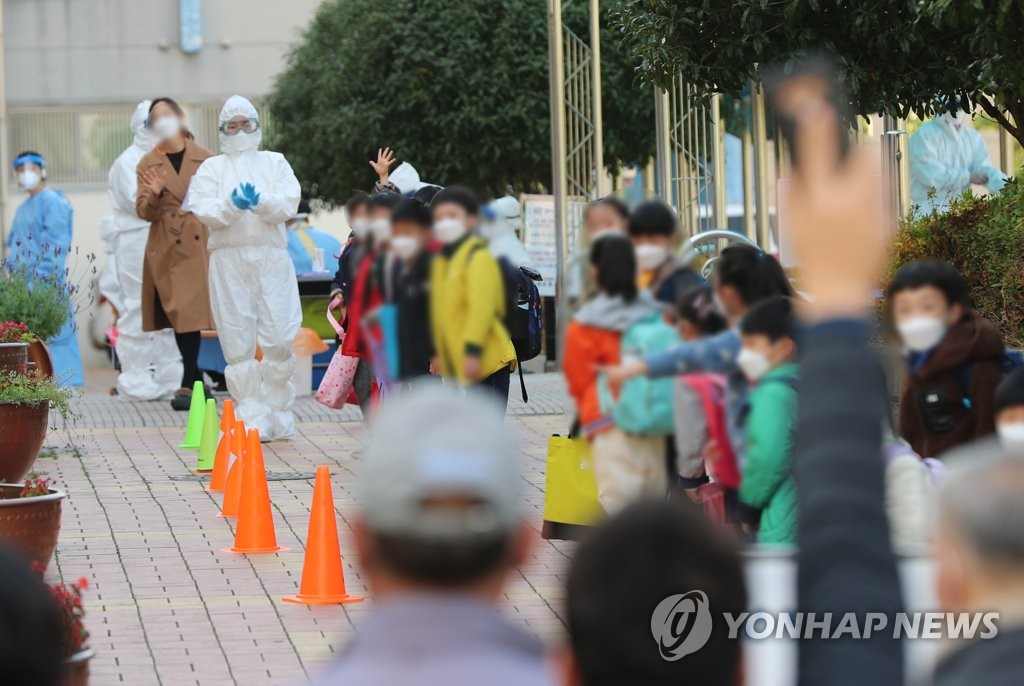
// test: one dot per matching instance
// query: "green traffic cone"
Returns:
(196, 410)
(211, 435)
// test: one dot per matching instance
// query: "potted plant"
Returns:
(68, 599)
(30, 517)
(14, 341)
(25, 403)
(42, 302)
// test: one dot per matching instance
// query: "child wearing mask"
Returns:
(356, 213)
(604, 216)
(467, 299)
(653, 229)
(768, 360)
(410, 236)
(626, 467)
(953, 359)
(1009, 413)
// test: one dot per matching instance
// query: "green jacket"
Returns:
(767, 481)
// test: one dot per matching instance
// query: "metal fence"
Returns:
(80, 143)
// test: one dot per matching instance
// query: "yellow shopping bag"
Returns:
(570, 491)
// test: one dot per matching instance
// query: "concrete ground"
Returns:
(166, 605)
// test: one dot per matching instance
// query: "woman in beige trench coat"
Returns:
(175, 284)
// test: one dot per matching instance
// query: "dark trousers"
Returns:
(188, 346)
(497, 383)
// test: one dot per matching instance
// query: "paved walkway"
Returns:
(167, 606)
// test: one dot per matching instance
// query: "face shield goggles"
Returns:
(237, 125)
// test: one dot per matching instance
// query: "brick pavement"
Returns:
(167, 606)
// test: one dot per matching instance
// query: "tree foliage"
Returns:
(897, 56)
(460, 90)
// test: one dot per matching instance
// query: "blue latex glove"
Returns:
(249, 191)
(240, 201)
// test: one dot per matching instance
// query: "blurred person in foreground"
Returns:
(439, 532)
(31, 635)
(979, 556)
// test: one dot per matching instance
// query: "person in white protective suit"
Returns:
(502, 219)
(245, 196)
(948, 155)
(150, 362)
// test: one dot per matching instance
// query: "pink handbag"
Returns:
(337, 382)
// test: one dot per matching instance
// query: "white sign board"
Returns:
(540, 239)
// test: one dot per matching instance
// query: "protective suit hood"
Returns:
(507, 213)
(241, 142)
(406, 178)
(143, 140)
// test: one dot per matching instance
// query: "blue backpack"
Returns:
(645, 405)
(1011, 361)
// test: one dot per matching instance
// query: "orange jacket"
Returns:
(587, 348)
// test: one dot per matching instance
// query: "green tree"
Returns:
(897, 56)
(460, 90)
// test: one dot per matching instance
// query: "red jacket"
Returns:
(365, 298)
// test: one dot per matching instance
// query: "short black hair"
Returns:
(426, 194)
(459, 195)
(935, 273)
(384, 199)
(652, 218)
(358, 200)
(696, 305)
(443, 563)
(609, 201)
(31, 637)
(754, 274)
(413, 211)
(773, 318)
(1010, 392)
(615, 262)
(624, 569)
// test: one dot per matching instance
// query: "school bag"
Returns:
(524, 314)
(711, 388)
(644, 406)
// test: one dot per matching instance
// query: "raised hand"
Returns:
(154, 181)
(385, 158)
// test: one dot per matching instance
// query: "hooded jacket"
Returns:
(592, 340)
(948, 400)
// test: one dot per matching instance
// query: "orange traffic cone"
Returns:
(254, 532)
(323, 578)
(236, 465)
(227, 417)
(222, 459)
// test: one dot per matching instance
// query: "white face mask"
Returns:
(361, 227)
(753, 364)
(449, 230)
(921, 334)
(29, 179)
(165, 128)
(404, 247)
(240, 142)
(1011, 438)
(650, 256)
(380, 229)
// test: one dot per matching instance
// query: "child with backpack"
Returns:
(768, 359)
(1009, 413)
(954, 359)
(626, 466)
(653, 227)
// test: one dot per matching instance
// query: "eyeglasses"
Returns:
(236, 126)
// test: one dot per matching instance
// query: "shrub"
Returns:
(984, 239)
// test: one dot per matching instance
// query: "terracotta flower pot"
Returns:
(22, 432)
(13, 356)
(76, 669)
(30, 524)
(40, 355)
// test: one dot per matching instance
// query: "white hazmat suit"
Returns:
(150, 361)
(948, 154)
(500, 231)
(253, 291)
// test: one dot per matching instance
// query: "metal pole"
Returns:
(721, 217)
(748, 187)
(760, 135)
(556, 76)
(600, 180)
(895, 173)
(4, 156)
(663, 187)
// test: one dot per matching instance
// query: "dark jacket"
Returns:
(947, 400)
(671, 281)
(412, 291)
(990, 662)
(845, 562)
(344, 278)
